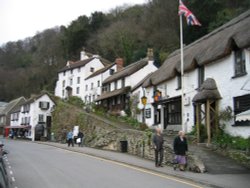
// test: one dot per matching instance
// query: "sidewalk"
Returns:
(225, 180)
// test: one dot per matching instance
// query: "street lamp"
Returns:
(144, 102)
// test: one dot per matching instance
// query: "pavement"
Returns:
(227, 174)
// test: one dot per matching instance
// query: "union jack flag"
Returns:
(191, 19)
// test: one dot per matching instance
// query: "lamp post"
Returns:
(144, 102)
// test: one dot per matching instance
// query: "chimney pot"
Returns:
(150, 54)
(119, 64)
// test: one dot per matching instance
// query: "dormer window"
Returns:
(64, 73)
(201, 76)
(239, 63)
(44, 105)
(92, 69)
(111, 71)
(178, 81)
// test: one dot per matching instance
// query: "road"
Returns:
(34, 165)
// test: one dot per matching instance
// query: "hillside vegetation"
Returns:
(30, 65)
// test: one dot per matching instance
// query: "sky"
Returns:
(20, 19)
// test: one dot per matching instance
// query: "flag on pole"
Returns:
(191, 19)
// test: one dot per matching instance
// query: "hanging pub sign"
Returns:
(144, 100)
(157, 96)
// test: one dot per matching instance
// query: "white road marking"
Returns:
(9, 167)
(11, 173)
(13, 179)
(140, 169)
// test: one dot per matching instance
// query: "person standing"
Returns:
(180, 149)
(80, 137)
(70, 138)
(158, 146)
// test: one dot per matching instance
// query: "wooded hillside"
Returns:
(29, 66)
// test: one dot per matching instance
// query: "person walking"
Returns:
(80, 137)
(180, 149)
(70, 138)
(158, 146)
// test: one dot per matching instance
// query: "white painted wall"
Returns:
(34, 112)
(82, 72)
(96, 91)
(222, 72)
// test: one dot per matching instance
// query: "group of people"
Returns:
(180, 148)
(71, 139)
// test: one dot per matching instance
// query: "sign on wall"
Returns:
(148, 113)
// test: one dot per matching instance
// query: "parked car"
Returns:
(4, 179)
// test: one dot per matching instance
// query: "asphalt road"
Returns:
(32, 165)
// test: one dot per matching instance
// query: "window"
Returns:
(93, 98)
(77, 90)
(86, 87)
(174, 111)
(111, 71)
(123, 82)
(157, 116)
(40, 118)
(71, 71)
(64, 73)
(92, 69)
(240, 63)
(179, 81)
(44, 105)
(241, 103)
(92, 85)
(26, 108)
(89, 98)
(115, 84)
(71, 81)
(63, 83)
(79, 69)
(201, 76)
(63, 93)
(98, 83)
(78, 80)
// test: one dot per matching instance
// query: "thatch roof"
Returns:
(12, 104)
(126, 71)
(114, 93)
(208, 90)
(208, 49)
(100, 71)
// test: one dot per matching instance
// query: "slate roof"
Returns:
(82, 63)
(126, 71)
(114, 93)
(100, 71)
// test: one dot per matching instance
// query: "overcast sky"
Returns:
(24, 18)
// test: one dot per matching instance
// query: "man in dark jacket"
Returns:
(180, 149)
(158, 146)
(80, 139)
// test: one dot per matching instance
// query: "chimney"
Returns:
(119, 64)
(83, 55)
(150, 54)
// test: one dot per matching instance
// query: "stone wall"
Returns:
(102, 134)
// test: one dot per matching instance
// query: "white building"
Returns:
(222, 57)
(33, 117)
(116, 88)
(71, 78)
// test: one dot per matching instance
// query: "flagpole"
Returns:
(182, 76)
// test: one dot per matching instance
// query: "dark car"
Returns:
(4, 179)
